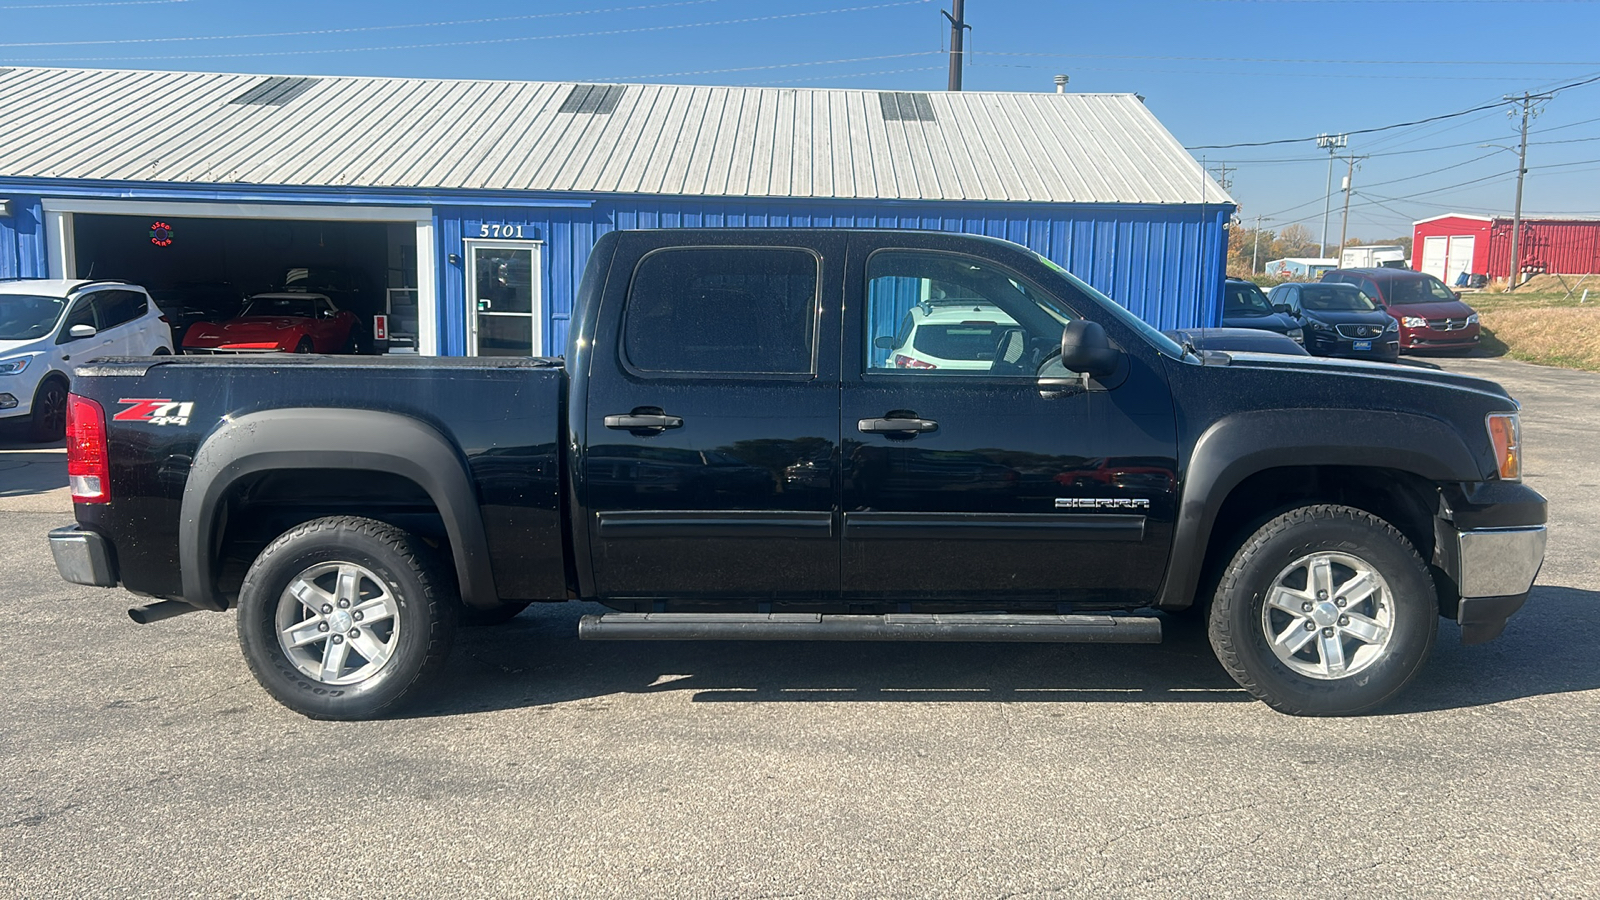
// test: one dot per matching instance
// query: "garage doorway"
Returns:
(202, 261)
(505, 309)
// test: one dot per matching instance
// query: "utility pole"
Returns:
(1349, 185)
(958, 27)
(1255, 248)
(1222, 171)
(1528, 112)
(1332, 143)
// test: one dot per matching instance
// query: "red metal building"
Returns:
(1446, 246)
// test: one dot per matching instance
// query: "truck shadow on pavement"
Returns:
(536, 660)
(36, 470)
(1548, 648)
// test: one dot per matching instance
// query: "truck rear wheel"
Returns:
(345, 617)
(1325, 611)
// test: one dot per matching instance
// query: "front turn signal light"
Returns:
(1505, 434)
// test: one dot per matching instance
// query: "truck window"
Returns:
(948, 314)
(744, 311)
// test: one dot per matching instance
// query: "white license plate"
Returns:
(1363, 345)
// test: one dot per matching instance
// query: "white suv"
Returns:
(954, 335)
(49, 326)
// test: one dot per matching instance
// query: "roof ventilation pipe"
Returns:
(1061, 84)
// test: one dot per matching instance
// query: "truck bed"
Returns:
(502, 417)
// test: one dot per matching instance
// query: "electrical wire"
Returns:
(352, 30)
(104, 3)
(1296, 60)
(820, 62)
(1430, 119)
(483, 41)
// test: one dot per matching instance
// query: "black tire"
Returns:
(1238, 626)
(421, 604)
(161, 351)
(48, 419)
(473, 617)
(304, 346)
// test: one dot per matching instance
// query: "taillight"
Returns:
(1505, 433)
(88, 467)
(902, 361)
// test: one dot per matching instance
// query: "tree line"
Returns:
(1249, 249)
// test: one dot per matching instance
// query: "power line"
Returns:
(1298, 61)
(483, 41)
(353, 30)
(81, 5)
(1439, 118)
(820, 62)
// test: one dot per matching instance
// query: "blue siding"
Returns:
(22, 248)
(1164, 263)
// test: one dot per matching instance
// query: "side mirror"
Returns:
(1457, 293)
(1282, 308)
(1085, 348)
(78, 332)
(883, 342)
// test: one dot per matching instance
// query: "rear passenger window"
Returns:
(749, 311)
(120, 307)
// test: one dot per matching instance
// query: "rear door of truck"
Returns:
(710, 465)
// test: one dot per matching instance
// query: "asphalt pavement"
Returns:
(144, 761)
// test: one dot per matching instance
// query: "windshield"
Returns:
(281, 306)
(1162, 342)
(26, 317)
(1426, 289)
(1335, 297)
(1245, 300)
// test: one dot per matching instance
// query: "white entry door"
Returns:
(1461, 247)
(1435, 251)
(505, 312)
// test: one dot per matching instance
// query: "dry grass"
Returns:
(1567, 336)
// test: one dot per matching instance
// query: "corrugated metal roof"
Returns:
(209, 128)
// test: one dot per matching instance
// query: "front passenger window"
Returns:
(942, 313)
(83, 313)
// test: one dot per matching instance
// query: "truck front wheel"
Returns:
(344, 617)
(1325, 611)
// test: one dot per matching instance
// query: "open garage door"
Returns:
(209, 272)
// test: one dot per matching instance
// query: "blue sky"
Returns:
(1214, 71)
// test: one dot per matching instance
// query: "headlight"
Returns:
(14, 365)
(1413, 322)
(1393, 326)
(1319, 326)
(1472, 319)
(1298, 335)
(1505, 433)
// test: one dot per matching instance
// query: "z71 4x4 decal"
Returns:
(156, 411)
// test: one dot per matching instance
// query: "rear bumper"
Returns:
(83, 557)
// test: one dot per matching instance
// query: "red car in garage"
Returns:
(290, 322)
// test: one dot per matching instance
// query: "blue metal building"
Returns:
(475, 204)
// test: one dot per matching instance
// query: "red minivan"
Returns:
(1431, 316)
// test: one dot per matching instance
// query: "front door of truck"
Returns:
(710, 461)
(963, 482)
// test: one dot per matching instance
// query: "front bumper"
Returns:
(83, 557)
(1491, 542)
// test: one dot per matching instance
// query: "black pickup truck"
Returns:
(811, 435)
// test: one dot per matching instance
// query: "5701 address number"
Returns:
(500, 231)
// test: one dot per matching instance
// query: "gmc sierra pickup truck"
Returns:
(811, 435)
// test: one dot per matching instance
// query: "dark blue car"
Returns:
(1339, 320)
(1244, 306)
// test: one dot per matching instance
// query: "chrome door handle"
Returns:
(896, 426)
(654, 423)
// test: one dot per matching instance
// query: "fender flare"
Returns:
(295, 438)
(1241, 445)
